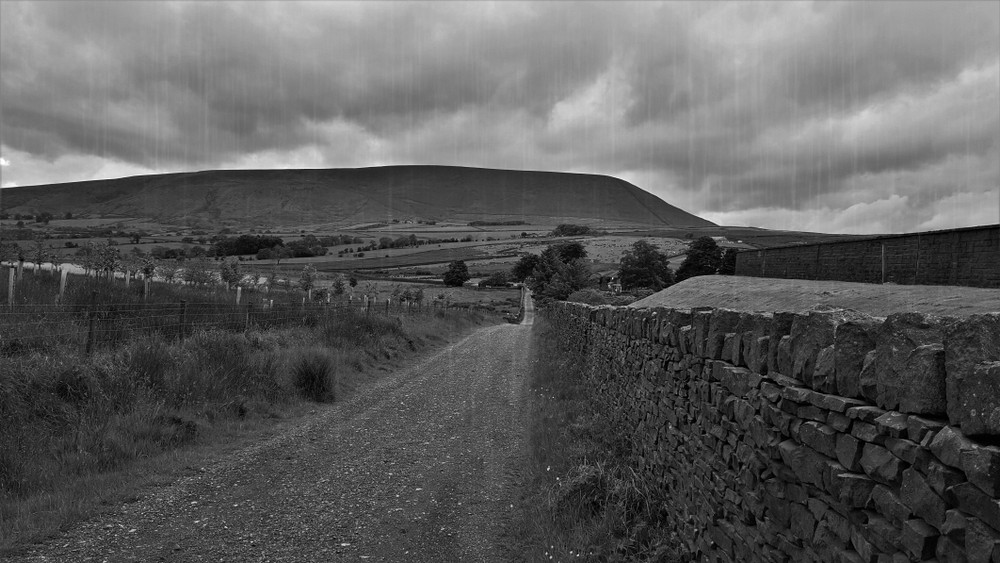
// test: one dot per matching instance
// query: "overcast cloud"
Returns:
(854, 117)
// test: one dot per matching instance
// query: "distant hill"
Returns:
(355, 195)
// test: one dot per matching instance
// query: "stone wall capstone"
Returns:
(821, 436)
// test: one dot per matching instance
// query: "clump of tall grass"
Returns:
(314, 376)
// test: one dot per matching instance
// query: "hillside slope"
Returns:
(355, 195)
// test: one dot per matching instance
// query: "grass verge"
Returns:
(582, 498)
(78, 436)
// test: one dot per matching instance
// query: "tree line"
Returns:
(561, 269)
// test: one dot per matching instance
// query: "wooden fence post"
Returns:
(183, 317)
(10, 287)
(239, 293)
(62, 284)
(883, 262)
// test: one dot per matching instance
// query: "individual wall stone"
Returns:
(880, 464)
(701, 319)
(969, 343)
(784, 356)
(812, 333)
(853, 340)
(742, 338)
(849, 450)
(868, 378)
(908, 364)
(824, 372)
(780, 325)
(918, 495)
(819, 437)
(918, 427)
(982, 542)
(973, 501)
(755, 350)
(919, 539)
(950, 551)
(940, 477)
(977, 400)
(886, 502)
(981, 464)
(955, 522)
(721, 323)
(853, 489)
(948, 445)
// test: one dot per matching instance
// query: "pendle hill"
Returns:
(356, 195)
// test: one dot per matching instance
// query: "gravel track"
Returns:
(418, 467)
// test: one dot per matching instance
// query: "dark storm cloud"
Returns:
(726, 107)
(248, 77)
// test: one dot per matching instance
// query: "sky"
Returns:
(862, 117)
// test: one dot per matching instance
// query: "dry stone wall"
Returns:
(823, 436)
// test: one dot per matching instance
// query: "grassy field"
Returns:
(79, 432)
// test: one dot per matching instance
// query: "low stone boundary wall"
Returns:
(824, 436)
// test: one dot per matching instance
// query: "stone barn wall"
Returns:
(969, 257)
(826, 436)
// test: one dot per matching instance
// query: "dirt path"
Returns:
(417, 468)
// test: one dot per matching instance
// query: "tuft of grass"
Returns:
(582, 497)
(314, 376)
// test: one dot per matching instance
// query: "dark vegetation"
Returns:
(704, 258)
(457, 274)
(645, 266)
(496, 279)
(244, 244)
(559, 271)
(592, 296)
(496, 223)
(567, 230)
(314, 376)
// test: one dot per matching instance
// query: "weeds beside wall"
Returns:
(826, 436)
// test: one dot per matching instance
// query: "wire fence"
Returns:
(94, 313)
(103, 324)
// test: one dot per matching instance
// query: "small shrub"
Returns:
(313, 375)
(642, 293)
(149, 362)
(73, 386)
